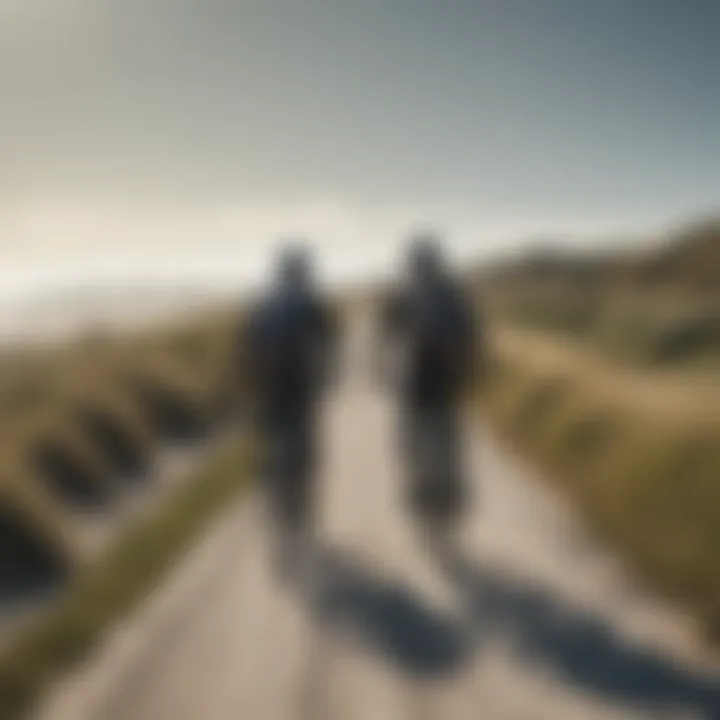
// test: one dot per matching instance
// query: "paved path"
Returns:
(529, 621)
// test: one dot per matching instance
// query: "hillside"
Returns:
(659, 305)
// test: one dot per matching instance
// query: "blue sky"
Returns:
(191, 129)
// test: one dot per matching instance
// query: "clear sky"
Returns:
(151, 131)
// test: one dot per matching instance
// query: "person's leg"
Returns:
(301, 496)
(302, 476)
(271, 435)
(410, 446)
(268, 433)
(279, 468)
(449, 429)
(441, 489)
(454, 497)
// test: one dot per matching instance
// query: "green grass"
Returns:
(103, 593)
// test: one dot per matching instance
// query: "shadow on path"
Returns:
(385, 616)
(581, 647)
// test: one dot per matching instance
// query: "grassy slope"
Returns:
(141, 386)
(657, 306)
(639, 451)
(104, 592)
(46, 394)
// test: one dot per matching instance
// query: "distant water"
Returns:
(46, 305)
(56, 315)
(49, 304)
(33, 312)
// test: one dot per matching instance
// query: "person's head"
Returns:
(294, 267)
(425, 259)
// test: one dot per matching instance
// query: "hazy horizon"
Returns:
(179, 137)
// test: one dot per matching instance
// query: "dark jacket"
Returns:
(291, 380)
(421, 379)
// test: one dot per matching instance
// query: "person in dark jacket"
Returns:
(289, 347)
(428, 346)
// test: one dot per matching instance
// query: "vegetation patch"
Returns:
(80, 423)
(31, 563)
(659, 306)
(69, 474)
(124, 449)
(101, 594)
(648, 481)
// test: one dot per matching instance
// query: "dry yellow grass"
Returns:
(672, 394)
(78, 418)
(640, 452)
